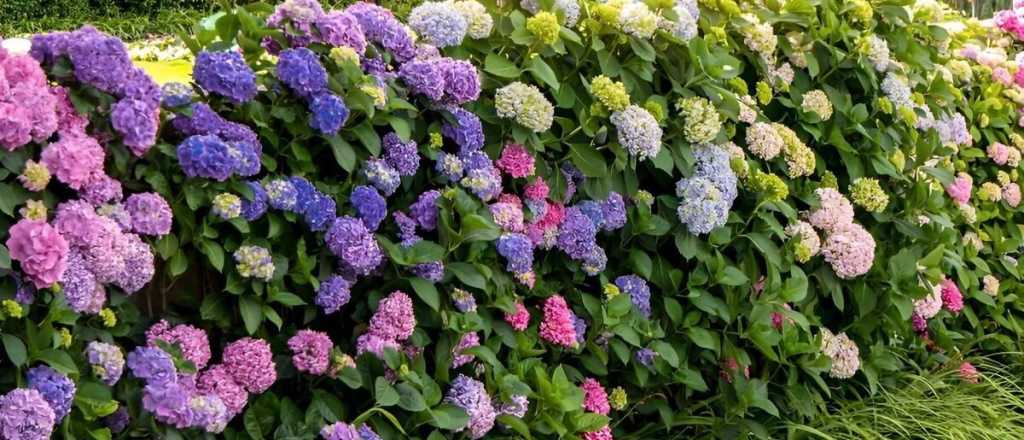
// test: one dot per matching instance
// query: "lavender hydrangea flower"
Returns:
(136, 120)
(328, 113)
(282, 194)
(432, 271)
(577, 235)
(300, 69)
(25, 415)
(152, 365)
(579, 326)
(439, 23)
(117, 421)
(471, 395)
(593, 211)
(341, 29)
(381, 27)
(333, 294)
(226, 74)
(78, 283)
(151, 215)
(255, 208)
(402, 156)
(461, 81)
(381, 176)
(100, 60)
(56, 388)
(703, 207)
(176, 94)
(350, 240)
(639, 132)
(645, 356)
(464, 128)
(450, 166)
(424, 211)
(406, 229)
(517, 406)
(638, 291)
(423, 77)
(518, 252)
(463, 300)
(613, 211)
(106, 360)
(138, 264)
(370, 206)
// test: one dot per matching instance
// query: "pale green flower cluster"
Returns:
(611, 93)
(638, 20)
(817, 102)
(526, 105)
(480, 22)
(799, 157)
(544, 26)
(702, 121)
(868, 194)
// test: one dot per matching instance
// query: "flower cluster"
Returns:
(391, 324)
(843, 353)
(216, 148)
(525, 104)
(471, 395)
(638, 131)
(707, 195)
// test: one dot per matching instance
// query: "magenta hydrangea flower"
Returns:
(536, 190)
(311, 351)
(960, 189)
(471, 395)
(40, 249)
(467, 341)
(193, 342)
(952, 299)
(850, 249)
(151, 215)
(558, 326)
(968, 373)
(605, 433)
(520, 319)
(217, 380)
(515, 161)
(75, 159)
(595, 399)
(251, 363)
(373, 343)
(394, 318)
(25, 415)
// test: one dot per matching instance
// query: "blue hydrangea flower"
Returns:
(518, 252)
(226, 74)
(333, 293)
(281, 194)
(577, 235)
(370, 206)
(382, 176)
(465, 129)
(320, 212)
(432, 271)
(702, 207)
(593, 211)
(206, 156)
(328, 113)
(613, 210)
(300, 69)
(56, 388)
(255, 208)
(304, 193)
(176, 94)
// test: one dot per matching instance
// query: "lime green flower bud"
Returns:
(729, 7)
(378, 94)
(599, 110)
(868, 194)
(828, 180)
(617, 398)
(11, 308)
(344, 55)
(656, 109)
(898, 160)
(1002, 177)
(544, 26)
(611, 291)
(983, 120)
(35, 177)
(764, 93)
(436, 141)
(860, 11)
(884, 105)
(611, 93)
(65, 337)
(644, 198)
(770, 186)
(907, 115)
(108, 317)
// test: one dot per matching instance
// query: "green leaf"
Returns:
(542, 72)
(732, 276)
(449, 417)
(409, 398)
(343, 152)
(426, 291)
(478, 228)
(215, 253)
(795, 288)
(385, 394)
(498, 66)
(58, 360)
(667, 352)
(286, 298)
(252, 313)
(15, 349)
(588, 160)
(468, 274)
(425, 251)
(703, 338)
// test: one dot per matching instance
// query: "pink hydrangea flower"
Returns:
(833, 212)
(536, 190)
(515, 161)
(15, 126)
(952, 299)
(311, 351)
(394, 318)
(74, 159)
(520, 319)
(507, 216)
(68, 119)
(604, 433)
(467, 341)
(1002, 76)
(40, 249)
(850, 249)
(1011, 194)
(194, 343)
(558, 326)
(251, 363)
(373, 343)
(595, 399)
(960, 189)
(968, 373)
(217, 381)
(999, 153)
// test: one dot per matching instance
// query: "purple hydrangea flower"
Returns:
(56, 388)
(573, 178)
(645, 356)
(328, 113)
(107, 361)
(432, 271)
(25, 415)
(464, 128)
(463, 300)
(226, 74)
(370, 206)
(79, 284)
(382, 176)
(577, 235)
(350, 240)
(300, 69)
(402, 156)
(516, 407)
(333, 293)
(117, 421)
(100, 60)
(593, 211)
(152, 365)
(304, 193)
(168, 401)
(518, 252)
(255, 208)
(638, 292)
(151, 215)
(138, 265)
(381, 27)
(176, 94)
(471, 395)
(467, 341)
(282, 194)
(206, 156)
(613, 210)
(450, 166)
(339, 28)
(424, 211)
(579, 325)
(423, 77)
(102, 189)
(136, 120)
(406, 229)
(320, 212)
(461, 81)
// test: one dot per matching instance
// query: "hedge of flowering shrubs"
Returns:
(549, 219)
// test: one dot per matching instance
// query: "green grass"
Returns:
(929, 406)
(127, 26)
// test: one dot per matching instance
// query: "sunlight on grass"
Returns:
(168, 71)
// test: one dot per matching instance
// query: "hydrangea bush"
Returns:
(579, 219)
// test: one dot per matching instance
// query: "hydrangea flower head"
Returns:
(558, 326)
(25, 415)
(327, 113)
(520, 319)
(471, 395)
(843, 352)
(107, 361)
(350, 240)
(833, 212)
(394, 318)
(952, 299)
(254, 262)
(638, 291)
(868, 194)
(56, 388)
(370, 206)
(525, 104)
(439, 23)
(250, 362)
(595, 399)
(193, 341)
(311, 351)
(612, 94)
(41, 250)
(850, 249)
(638, 132)
(516, 161)
(226, 74)
(544, 27)
(300, 69)
(151, 215)
(702, 121)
